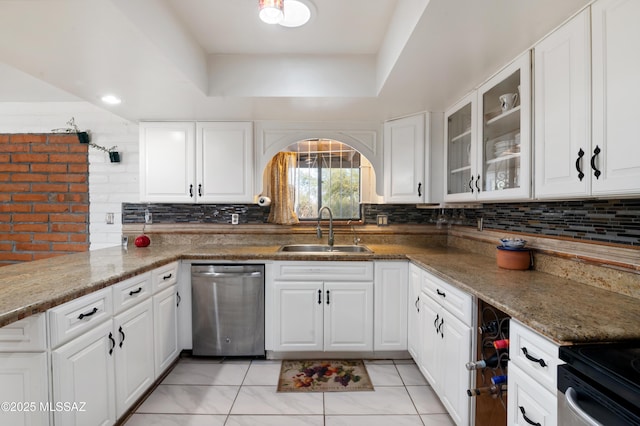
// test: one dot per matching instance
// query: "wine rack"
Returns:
(493, 327)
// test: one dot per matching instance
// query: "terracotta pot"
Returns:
(518, 259)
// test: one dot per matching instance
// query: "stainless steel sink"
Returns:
(321, 248)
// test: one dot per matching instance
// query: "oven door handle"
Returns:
(571, 396)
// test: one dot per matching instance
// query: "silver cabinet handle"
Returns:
(571, 396)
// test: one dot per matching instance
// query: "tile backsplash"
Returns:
(611, 221)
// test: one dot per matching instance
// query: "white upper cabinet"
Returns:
(404, 159)
(503, 149)
(563, 111)
(488, 139)
(586, 76)
(460, 151)
(615, 154)
(167, 169)
(186, 162)
(224, 162)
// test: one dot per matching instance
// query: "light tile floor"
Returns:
(243, 393)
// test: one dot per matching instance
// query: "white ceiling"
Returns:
(214, 60)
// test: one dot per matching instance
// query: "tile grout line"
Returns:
(408, 393)
(246, 373)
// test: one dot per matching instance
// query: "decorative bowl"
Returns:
(513, 242)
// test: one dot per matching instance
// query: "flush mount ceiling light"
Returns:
(111, 99)
(296, 13)
(287, 13)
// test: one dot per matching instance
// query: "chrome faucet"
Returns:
(319, 230)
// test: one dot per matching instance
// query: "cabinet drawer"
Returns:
(324, 271)
(529, 402)
(25, 335)
(457, 302)
(164, 277)
(542, 360)
(74, 318)
(129, 292)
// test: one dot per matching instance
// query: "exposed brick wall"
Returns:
(44, 196)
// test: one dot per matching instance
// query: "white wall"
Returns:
(110, 184)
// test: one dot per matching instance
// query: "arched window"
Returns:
(326, 173)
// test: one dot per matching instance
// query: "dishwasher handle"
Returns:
(228, 274)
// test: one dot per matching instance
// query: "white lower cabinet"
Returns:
(528, 402)
(322, 306)
(329, 316)
(442, 340)
(101, 364)
(348, 316)
(165, 325)
(533, 377)
(134, 373)
(24, 381)
(445, 349)
(298, 316)
(107, 369)
(83, 373)
(390, 306)
(413, 311)
(24, 373)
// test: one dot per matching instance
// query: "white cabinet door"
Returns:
(165, 328)
(403, 156)
(298, 313)
(503, 151)
(455, 352)
(528, 402)
(390, 310)
(616, 66)
(134, 336)
(167, 168)
(446, 345)
(413, 314)
(25, 380)
(563, 111)
(83, 372)
(348, 316)
(430, 340)
(460, 152)
(224, 162)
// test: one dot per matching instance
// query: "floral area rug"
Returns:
(324, 376)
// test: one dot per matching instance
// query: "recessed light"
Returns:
(111, 99)
(296, 13)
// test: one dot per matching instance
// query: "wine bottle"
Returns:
(494, 391)
(495, 326)
(502, 344)
(489, 328)
(491, 362)
(498, 380)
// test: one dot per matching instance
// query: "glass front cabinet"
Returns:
(488, 138)
(460, 134)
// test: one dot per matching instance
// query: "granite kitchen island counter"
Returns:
(561, 309)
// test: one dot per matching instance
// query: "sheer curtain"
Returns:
(280, 190)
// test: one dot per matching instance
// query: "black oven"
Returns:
(599, 385)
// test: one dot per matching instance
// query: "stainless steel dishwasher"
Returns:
(228, 310)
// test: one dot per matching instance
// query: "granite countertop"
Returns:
(563, 310)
